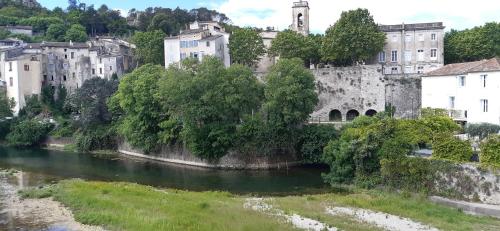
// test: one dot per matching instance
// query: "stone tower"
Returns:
(300, 12)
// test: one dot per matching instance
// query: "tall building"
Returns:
(469, 91)
(201, 39)
(300, 14)
(412, 48)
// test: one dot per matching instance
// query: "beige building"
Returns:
(412, 48)
(201, 39)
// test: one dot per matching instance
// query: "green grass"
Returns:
(417, 208)
(125, 206)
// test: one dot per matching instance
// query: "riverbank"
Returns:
(126, 206)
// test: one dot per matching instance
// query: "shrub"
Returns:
(4, 128)
(490, 151)
(28, 133)
(448, 147)
(98, 138)
(313, 140)
(482, 130)
(64, 129)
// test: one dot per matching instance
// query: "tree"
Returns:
(4, 34)
(28, 133)
(76, 33)
(90, 101)
(354, 38)
(40, 23)
(246, 46)
(149, 47)
(137, 96)
(490, 151)
(56, 32)
(289, 44)
(6, 105)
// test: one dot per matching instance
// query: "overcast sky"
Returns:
(458, 14)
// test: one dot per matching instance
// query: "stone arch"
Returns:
(352, 114)
(370, 112)
(300, 20)
(335, 115)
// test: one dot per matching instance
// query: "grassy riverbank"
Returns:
(124, 206)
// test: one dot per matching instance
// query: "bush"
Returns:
(65, 128)
(482, 130)
(4, 128)
(448, 147)
(490, 151)
(28, 133)
(99, 138)
(313, 140)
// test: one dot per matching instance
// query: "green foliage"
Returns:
(313, 140)
(149, 47)
(482, 130)
(40, 23)
(56, 32)
(432, 112)
(76, 33)
(4, 34)
(354, 38)
(474, 44)
(137, 96)
(490, 151)
(290, 44)
(97, 138)
(4, 128)
(6, 105)
(448, 147)
(28, 133)
(246, 46)
(7, 20)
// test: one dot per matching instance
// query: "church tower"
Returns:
(300, 12)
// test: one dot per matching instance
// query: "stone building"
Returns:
(201, 39)
(300, 14)
(412, 48)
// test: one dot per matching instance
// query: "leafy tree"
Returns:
(490, 151)
(6, 20)
(56, 32)
(313, 140)
(76, 33)
(40, 23)
(33, 107)
(290, 44)
(28, 133)
(482, 130)
(354, 38)
(6, 105)
(451, 148)
(90, 101)
(137, 96)
(246, 46)
(4, 34)
(149, 47)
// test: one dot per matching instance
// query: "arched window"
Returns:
(300, 20)
(351, 115)
(335, 115)
(371, 112)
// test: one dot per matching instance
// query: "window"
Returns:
(461, 81)
(483, 80)
(408, 38)
(26, 67)
(65, 49)
(433, 36)
(100, 70)
(64, 77)
(452, 102)
(51, 78)
(72, 55)
(381, 56)
(110, 68)
(421, 37)
(65, 56)
(420, 70)
(11, 81)
(100, 60)
(44, 77)
(394, 70)
(433, 53)
(74, 75)
(407, 56)
(420, 55)
(484, 105)
(10, 66)
(93, 71)
(394, 56)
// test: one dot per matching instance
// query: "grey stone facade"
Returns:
(347, 92)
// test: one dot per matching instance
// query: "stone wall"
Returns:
(181, 155)
(362, 90)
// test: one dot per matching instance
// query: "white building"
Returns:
(202, 39)
(470, 91)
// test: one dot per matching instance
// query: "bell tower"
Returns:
(300, 11)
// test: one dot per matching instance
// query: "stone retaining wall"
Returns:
(179, 154)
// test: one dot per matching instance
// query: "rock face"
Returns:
(345, 92)
(233, 160)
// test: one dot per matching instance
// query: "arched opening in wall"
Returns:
(370, 112)
(335, 116)
(300, 20)
(351, 115)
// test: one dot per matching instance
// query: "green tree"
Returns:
(149, 47)
(76, 33)
(28, 133)
(290, 44)
(447, 147)
(137, 97)
(355, 37)
(40, 23)
(56, 32)
(6, 105)
(4, 34)
(490, 151)
(246, 46)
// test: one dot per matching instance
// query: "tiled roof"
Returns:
(213, 37)
(64, 44)
(414, 26)
(192, 31)
(464, 68)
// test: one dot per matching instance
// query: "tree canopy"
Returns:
(354, 38)
(246, 46)
(149, 47)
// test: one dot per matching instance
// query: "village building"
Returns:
(25, 30)
(469, 91)
(202, 39)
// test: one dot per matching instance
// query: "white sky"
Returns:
(457, 14)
